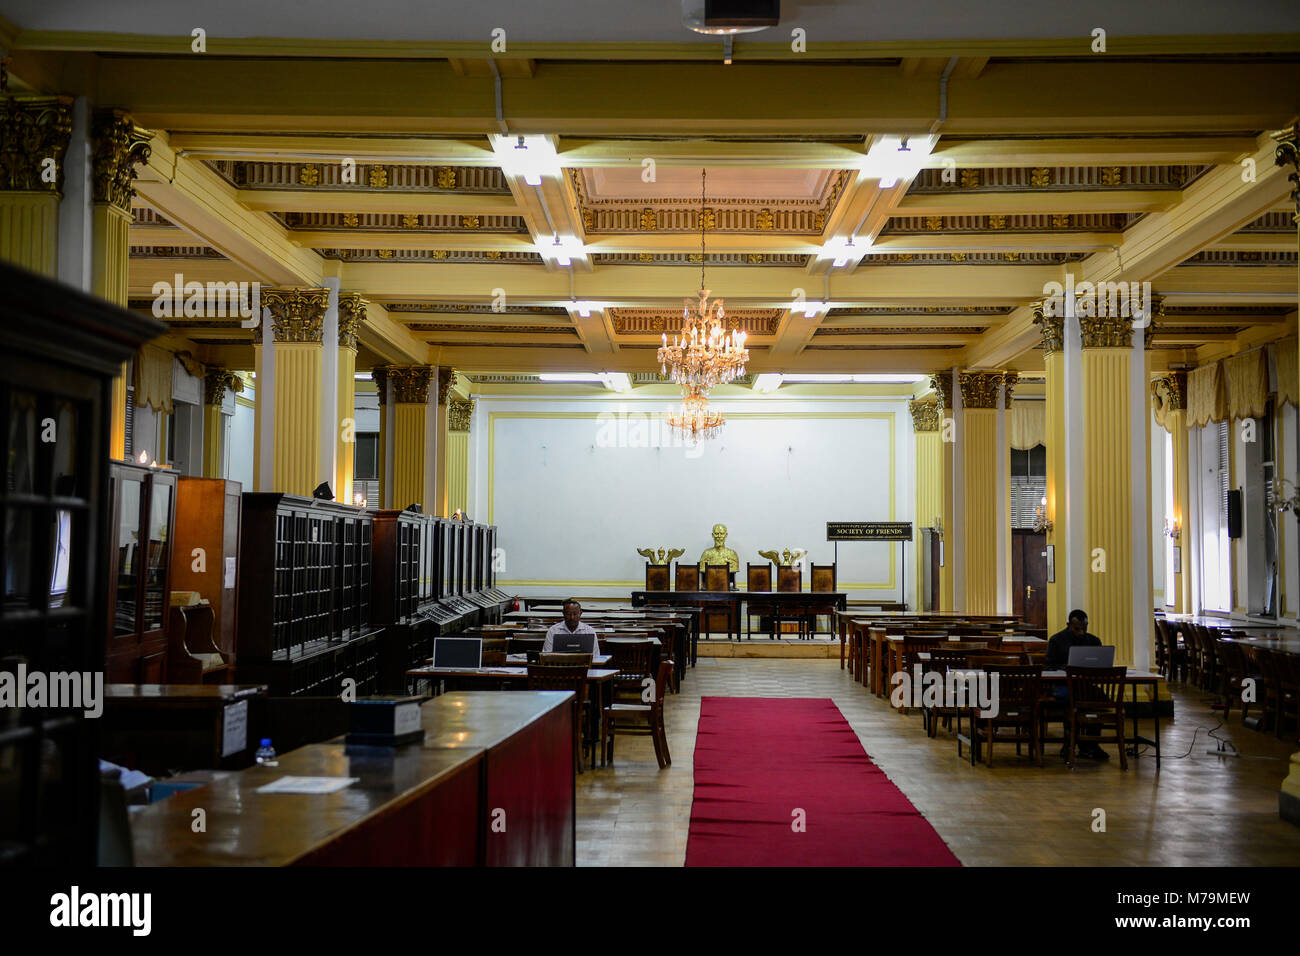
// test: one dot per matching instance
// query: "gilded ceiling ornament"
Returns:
(926, 414)
(1287, 153)
(32, 131)
(906, 257)
(379, 375)
(958, 257)
(351, 220)
(649, 221)
(446, 379)
(1011, 256)
(1151, 329)
(438, 253)
(1061, 221)
(1110, 176)
(1041, 176)
(469, 222)
(352, 312)
(493, 253)
(997, 222)
(695, 257)
(765, 221)
(970, 178)
(386, 253)
(1105, 332)
(707, 218)
(217, 382)
(645, 256)
(410, 222)
(446, 177)
(410, 383)
(1009, 380)
(755, 257)
(309, 175)
(1052, 329)
(297, 315)
(934, 223)
(819, 221)
(657, 324)
(941, 382)
(588, 219)
(459, 414)
(979, 389)
(118, 146)
(377, 178)
(1169, 392)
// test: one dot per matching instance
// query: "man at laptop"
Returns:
(568, 629)
(1058, 657)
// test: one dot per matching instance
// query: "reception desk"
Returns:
(430, 804)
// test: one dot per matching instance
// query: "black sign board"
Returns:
(868, 531)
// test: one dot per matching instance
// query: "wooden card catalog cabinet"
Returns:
(401, 569)
(139, 572)
(304, 594)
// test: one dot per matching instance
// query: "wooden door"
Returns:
(936, 547)
(1029, 577)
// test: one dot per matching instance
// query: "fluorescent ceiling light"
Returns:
(530, 157)
(892, 158)
(584, 307)
(561, 249)
(767, 382)
(616, 381)
(888, 379)
(875, 378)
(570, 377)
(822, 379)
(810, 308)
(843, 249)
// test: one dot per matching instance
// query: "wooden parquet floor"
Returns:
(1197, 811)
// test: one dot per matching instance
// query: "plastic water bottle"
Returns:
(266, 754)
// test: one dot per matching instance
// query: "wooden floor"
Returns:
(1197, 811)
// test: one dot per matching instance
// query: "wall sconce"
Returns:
(1042, 523)
(1173, 529)
(938, 525)
(360, 499)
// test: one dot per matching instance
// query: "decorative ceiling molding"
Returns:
(667, 321)
(1047, 178)
(475, 307)
(1053, 223)
(403, 222)
(322, 175)
(974, 258)
(693, 258)
(429, 255)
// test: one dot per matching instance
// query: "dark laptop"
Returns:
(457, 652)
(573, 643)
(1103, 656)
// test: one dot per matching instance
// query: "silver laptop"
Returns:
(1103, 656)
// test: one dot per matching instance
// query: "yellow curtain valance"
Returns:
(1288, 372)
(1027, 424)
(1248, 384)
(153, 378)
(1207, 400)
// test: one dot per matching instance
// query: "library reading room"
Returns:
(692, 433)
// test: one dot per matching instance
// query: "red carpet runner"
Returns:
(758, 759)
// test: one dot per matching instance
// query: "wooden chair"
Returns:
(566, 677)
(1236, 668)
(636, 661)
(1018, 697)
(1279, 696)
(688, 577)
(1158, 645)
(912, 645)
(1096, 703)
(1211, 666)
(523, 645)
(192, 656)
(758, 578)
(788, 579)
(494, 651)
(1173, 655)
(822, 581)
(566, 660)
(941, 659)
(717, 577)
(642, 718)
(656, 577)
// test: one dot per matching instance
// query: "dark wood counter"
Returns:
(486, 758)
(163, 728)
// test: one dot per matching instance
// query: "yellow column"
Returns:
(1108, 475)
(1288, 154)
(379, 375)
(1054, 362)
(459, 414)
(941, 382)
(39, 129)
(215, 384)
(926, 414)
(297, 318)
(446, 379)
(352, 312)
(117, 146)
(410, 431)
(979, 395)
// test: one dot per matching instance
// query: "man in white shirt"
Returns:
(572, 624)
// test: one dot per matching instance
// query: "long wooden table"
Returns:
(684, 625)
(784, 603)
(885, 656)
(426, 804)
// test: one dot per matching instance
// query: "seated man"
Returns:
(1058, 653)
(572, 624)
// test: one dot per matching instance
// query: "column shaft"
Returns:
(297, 416)
(980, 534)
(1057, 588)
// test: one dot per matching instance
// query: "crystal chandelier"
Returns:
(705, 354)
(695, 418)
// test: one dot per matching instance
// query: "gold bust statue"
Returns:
(719, 553)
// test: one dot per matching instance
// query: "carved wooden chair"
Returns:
(788, 580)
(758, 578)
(645, 718)
(557, 676)
(717, 577)
(1096, 707)
(823, 579)
(1018, 698)
(656, 577)
(688, 577)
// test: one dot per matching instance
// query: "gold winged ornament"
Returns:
(649, 555)
(785, 559)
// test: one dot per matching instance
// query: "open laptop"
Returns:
(574, 644)
(457, 652)
(1103, 656)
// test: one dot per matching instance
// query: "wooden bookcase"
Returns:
(208, 517)
(304, 595)
(143, 522)
(62, 351)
